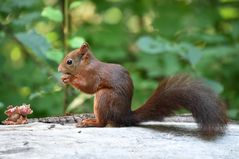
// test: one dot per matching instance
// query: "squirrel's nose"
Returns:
(59, 68)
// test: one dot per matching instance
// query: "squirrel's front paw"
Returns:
(66, 78)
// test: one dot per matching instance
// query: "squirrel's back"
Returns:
(118, 78)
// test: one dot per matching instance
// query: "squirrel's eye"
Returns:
(69, 62)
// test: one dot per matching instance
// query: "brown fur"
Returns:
(113, 89)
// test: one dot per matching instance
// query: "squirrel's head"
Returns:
(75, 60)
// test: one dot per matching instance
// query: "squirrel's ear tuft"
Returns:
(84, 47)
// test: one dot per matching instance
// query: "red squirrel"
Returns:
(113, 89)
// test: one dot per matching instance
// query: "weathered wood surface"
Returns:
(168, 139)
(77, 117)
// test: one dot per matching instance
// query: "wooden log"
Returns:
(174, 138)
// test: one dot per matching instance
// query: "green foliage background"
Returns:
(153, 39)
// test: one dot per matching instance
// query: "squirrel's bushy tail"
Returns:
(182, 91)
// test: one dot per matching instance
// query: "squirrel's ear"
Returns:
(84, 47)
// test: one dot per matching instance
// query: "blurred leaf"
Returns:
(1, 105)
(149, 45)
(170, 64)
(220, 51)
(52, 14)
(168, 23)
(23, 3)
(142, 84)
(26, 19)
(109, 54)
(55, 55)
(11, 5)
(75, 4)
(58, 76)
(160, 45)
(150, 64)
(232, 113)
(191, 53)
(76, 42)
(36, 95)
(46, 90)
(35, 42)
(235, 30)
(112, 15)
(193, 56)
(229, 12)
(78, 101)
(211, 39)
(113, 34)
(216, 86)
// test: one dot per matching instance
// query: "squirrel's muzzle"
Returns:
(59, 68)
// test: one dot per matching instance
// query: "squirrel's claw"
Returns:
(81, 124)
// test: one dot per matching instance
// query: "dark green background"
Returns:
(153, 39)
